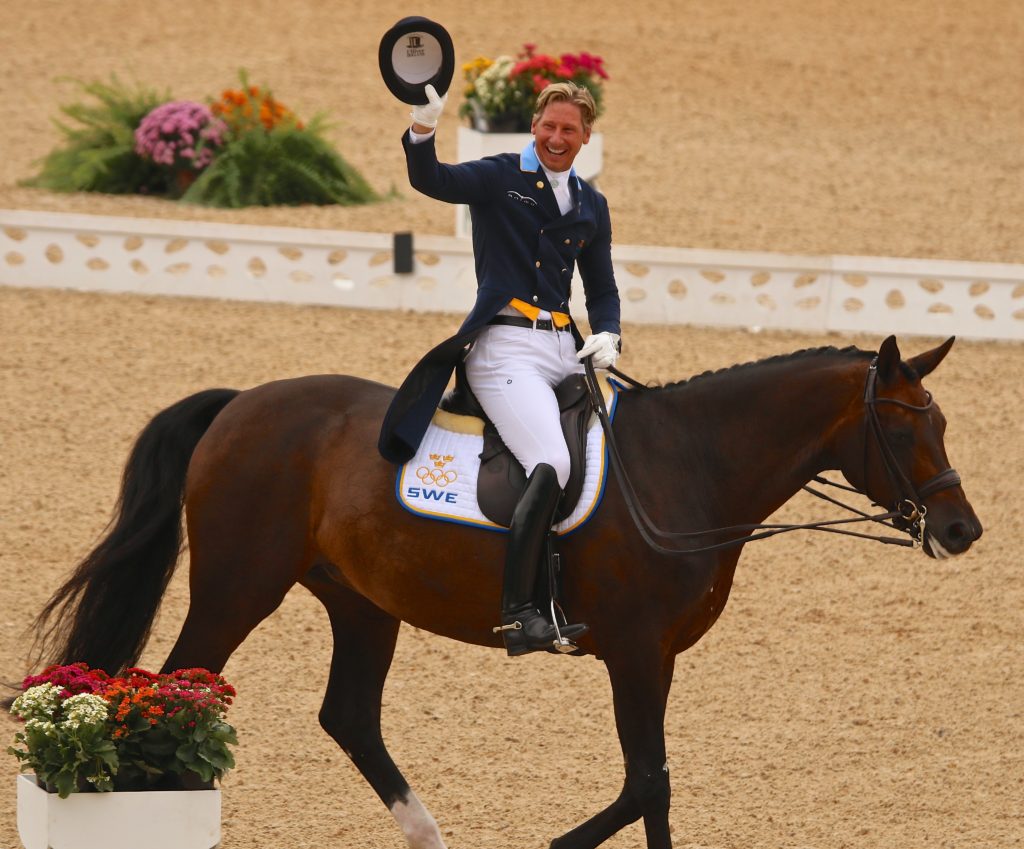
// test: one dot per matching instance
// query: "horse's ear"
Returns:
(925, 363)
(888, 359)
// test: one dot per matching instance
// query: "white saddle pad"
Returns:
(440, 481)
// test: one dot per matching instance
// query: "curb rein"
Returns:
(909, 506)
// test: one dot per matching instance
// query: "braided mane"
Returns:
(804, 353)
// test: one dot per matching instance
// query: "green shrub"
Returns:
(285, 165)
(268, 158)
(98, 154)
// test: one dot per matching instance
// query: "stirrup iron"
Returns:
(560, 643)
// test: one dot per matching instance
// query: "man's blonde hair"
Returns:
(568, 93)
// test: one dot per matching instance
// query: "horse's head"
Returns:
(903, 464)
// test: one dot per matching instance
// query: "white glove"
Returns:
(604, 346)
(427, 114)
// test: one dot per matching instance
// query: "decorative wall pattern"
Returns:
(663, 285)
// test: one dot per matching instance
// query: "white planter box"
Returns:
(472, 144)
(160, 819)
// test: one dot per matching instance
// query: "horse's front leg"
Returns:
(640, 689)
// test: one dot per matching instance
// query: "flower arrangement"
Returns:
(87, 731)
(245, 148)
(500, 93)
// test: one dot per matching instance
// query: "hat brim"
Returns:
(416, 52)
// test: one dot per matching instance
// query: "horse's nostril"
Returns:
(956, 532)
(959, 536)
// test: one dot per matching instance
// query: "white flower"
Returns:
(39, 702)
(84, 709)
(43, 726)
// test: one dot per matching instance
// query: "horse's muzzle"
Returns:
(952, 538)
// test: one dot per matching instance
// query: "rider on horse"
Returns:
(534, 221)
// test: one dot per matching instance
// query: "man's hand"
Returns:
(604, 346)
(425, 117)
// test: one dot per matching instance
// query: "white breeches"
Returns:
(512, 372)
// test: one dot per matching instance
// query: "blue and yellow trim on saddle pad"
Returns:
(440, 481)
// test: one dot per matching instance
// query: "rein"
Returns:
(909, 508)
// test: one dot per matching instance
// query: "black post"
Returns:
(403, 253)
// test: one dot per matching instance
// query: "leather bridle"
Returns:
(909, 504)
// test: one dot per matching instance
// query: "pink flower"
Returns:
(167, 135)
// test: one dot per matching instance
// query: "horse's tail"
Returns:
(103, 613)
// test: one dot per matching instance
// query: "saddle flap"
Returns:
(570, 392)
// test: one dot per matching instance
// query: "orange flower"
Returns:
(252, 107)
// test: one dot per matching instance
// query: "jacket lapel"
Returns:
(574, 212)
(538, 186)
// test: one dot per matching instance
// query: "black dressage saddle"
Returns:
(502, 479)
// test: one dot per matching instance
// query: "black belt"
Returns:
(523, 321)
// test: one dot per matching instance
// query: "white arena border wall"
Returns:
(872, 295)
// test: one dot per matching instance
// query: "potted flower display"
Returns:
(500, 93)
(95, 744)
(498, 101)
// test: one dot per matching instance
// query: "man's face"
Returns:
(559, 135)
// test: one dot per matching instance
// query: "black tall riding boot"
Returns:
(522, 626)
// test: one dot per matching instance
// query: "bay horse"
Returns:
(266, 475)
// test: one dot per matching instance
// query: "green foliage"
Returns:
(63, 759)
(207, 753)
(188, 741)
(98, 154)
(285, 165)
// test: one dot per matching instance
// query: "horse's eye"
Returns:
(902, 437)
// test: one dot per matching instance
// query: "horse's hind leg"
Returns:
(234, 584)
(364, 645)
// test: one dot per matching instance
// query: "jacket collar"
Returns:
(528, 161)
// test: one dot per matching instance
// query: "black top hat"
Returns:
(414, 52)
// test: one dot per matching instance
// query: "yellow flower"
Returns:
(476, 67)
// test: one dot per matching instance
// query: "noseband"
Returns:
(909, 502)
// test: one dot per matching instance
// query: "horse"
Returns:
(280, 485)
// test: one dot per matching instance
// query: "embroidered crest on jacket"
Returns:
(529, 201)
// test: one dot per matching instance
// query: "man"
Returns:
(533, 220)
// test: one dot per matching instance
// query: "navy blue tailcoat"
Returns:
(524, 248)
